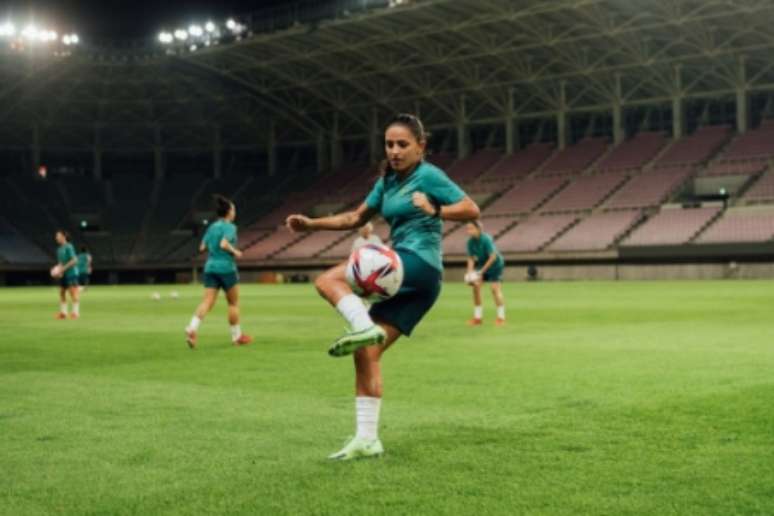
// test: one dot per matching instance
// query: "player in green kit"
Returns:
(220, 272)
(84, 268)
(68, 281)
(414, 197)
(485, 264)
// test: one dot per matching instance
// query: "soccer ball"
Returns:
(156, 296)
(375, 272)
(56, 271)
(472, 277)
(174, 294)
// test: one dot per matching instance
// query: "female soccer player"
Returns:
(84, 268)
(68, 282)
(414, 197)
(220, 272)
(488, 263)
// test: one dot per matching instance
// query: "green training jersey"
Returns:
(83, 263)
(64, 254)
(482, 248)
(412, 229)
(220, 261)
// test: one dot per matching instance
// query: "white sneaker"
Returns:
(359, 448)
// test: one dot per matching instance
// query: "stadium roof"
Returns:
(470, 61)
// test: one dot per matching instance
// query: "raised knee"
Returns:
(321, 284)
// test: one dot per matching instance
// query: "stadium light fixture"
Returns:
(209, 26)
(231, 24)
(30, 32)
(166, 38)
(181, 34)
(195, 31)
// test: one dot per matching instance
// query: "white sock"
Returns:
(194, 324)
(501, 312)
(236, 331)
(478, 312)
(77, 308)
(367, 411)
(354, 311)
(63, 308)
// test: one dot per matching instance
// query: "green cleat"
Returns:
(359, 448)
(351, 342)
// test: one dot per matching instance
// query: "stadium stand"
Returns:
(762, 190)
(525, 196)
(735, 168)
(532, 234)
(584, 194)
(741, 225)
(672, 226)
(597, 232)
(313, 244)
(635, 152)
(469, 169)
(14, 248)
(650, 188)
(575, 158)
(696, 148)
(520, 164)
(754, 144)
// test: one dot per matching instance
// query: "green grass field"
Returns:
(598, 398)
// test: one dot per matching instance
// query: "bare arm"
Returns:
(471, 263)
(202, 247)
(347, 220)
(462, 211)
(489, 262)
(226, 246)
(69, 265)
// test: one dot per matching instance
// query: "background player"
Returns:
(486, 261)
(84, 268)
(68, 281)
(220, 272)
(414, 197)
(366, 236)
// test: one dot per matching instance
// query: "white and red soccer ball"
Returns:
(374, 272)
(57, 271)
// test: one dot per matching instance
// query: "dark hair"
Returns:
(222, 205)
(65, 234)
(410, 122)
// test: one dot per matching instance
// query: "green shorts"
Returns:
(225, 281)
(494, 274)
(83, 280)
(421, 287)
(68, 281)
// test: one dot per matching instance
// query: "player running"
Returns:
(486, 264)
(84, 268)
(414, 197)
(220, 272)
(68, 281)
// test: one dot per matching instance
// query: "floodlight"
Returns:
(195, 31)
(209, 27)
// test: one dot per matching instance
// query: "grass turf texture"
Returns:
(598, 398)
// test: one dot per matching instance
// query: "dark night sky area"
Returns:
(125, 20)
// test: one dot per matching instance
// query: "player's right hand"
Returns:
(297, 223)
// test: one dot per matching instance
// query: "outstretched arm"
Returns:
(347, 220)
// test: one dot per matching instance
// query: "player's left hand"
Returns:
(421, 201)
